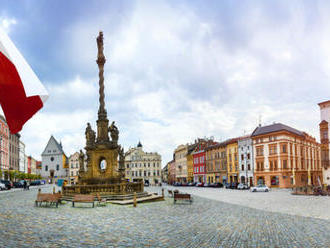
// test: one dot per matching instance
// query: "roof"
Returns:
(59, 146)
(276, 127)
(139, 144)
(323, 102)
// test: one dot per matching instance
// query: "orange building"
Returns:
(285, 157)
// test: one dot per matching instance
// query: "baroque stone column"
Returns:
(102, 122)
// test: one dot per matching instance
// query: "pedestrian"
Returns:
(25, 185)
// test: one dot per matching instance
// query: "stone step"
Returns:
(110, 197)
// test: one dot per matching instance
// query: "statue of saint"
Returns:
(81, 161)
(113, 132)
(90, 135)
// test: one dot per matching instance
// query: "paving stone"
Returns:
(205, 223)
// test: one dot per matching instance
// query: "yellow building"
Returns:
(232, 160)
(216, 163)
(190, 162)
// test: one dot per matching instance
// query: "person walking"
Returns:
(25, 184)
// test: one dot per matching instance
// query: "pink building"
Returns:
(4, 145)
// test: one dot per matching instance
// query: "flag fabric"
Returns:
(21, 92)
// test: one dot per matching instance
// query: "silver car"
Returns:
(2, 186)
(259, 188)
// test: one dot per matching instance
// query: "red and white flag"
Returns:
(21, 92)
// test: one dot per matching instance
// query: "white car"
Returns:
(259, 188)
(2, 186)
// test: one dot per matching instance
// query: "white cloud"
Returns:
(7, 23)
(173, 74)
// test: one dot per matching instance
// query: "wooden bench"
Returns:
(52, 199)
(101, 202)
(182, 197)
(83, 199)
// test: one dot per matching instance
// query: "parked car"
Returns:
(200, 184)
(216, 185)
(8, 183)
(232, 186)
(227, 185)
(259, 188)
(2, 186)
(18, 185)
(184, 184)
(36, 182)
(191, 184)
(242, 186)
(207, 185)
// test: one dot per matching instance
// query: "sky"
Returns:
(175, 70)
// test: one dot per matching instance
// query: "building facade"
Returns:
(216, 163)
(165, 174)
(14, 151)
(140, 165)
(180, 156)
(32, 165)
(21, 157)
(54, 161)
(285, 157)
(190, 163)
(171, 172)
(4, 146)
(73, 168)
(232, 160)
(324, 137)
(245, 160)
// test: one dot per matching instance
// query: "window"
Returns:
(144, 164)
(242, 167)
(249, 167)
(283, 148)
(57, 167)
(145, 173)
(154, 164)
(325, 134)
(242, 156)
(197, 169)
(248, 155)
(127, 166)
(46, 168)
(72, 173)
(285, 166)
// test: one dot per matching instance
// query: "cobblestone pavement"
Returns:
(205, 223)
(277, 200)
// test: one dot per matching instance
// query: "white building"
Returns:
(54, 161)
(324, 137)
(21, 157)
(26, 163)
(143, 165)
(245, 155)
(74, 168)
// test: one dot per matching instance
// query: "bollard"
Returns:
(134, 200)
(163, 192)
(54, 190)
(39, 191)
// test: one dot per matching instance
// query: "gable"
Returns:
(52, 147)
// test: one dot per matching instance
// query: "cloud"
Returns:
(175, 72)
(7, 23)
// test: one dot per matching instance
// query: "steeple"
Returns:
(102, 122)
